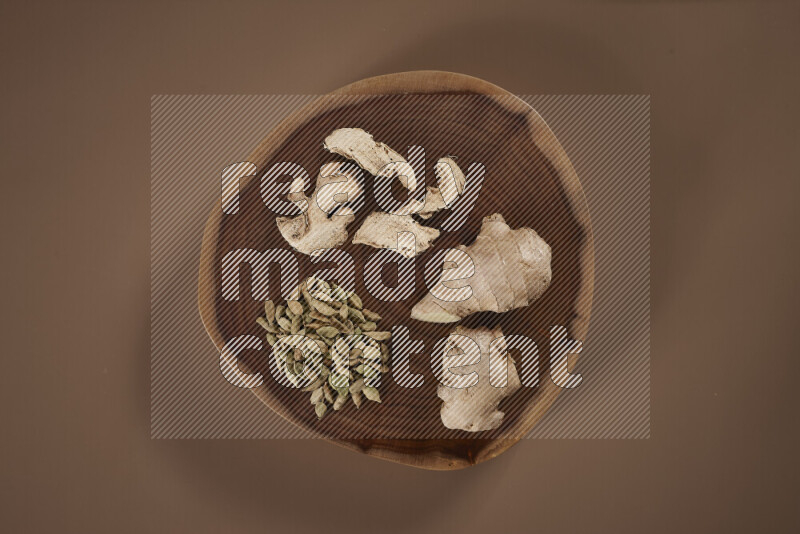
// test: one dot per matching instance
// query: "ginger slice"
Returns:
(381, 229)
(323, 223)
(433, 203)
(475, 408)
(494, 243)
(370, 155)
(451, 181)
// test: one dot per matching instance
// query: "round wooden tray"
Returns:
(529, 180)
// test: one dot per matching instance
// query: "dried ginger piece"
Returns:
(323, 223)
(381, 230)
(370, 155)
(451, 181)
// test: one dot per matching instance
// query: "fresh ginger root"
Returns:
(512, 269)
(474, 408)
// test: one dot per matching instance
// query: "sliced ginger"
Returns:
(374, 157)
(323, 223)
(451, 181)
(381, 230)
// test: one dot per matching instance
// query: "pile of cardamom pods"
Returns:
(352, 351)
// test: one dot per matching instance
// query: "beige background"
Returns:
(77, 81)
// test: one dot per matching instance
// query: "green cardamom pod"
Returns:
(327, 331)
(371, 315)
(357, 386)
(326, 390)
(317, 316)
(295, 307)
(339, 402)
(355, 301)
(269, 310)
(372, 394)
(379, 336)
(323, 308)
(338, 325)
(357, 316)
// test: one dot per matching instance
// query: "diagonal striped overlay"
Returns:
(607, 138)
(194, 137)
